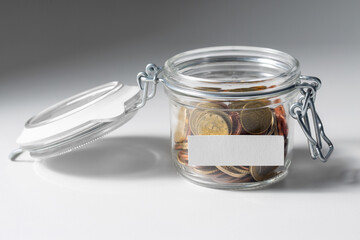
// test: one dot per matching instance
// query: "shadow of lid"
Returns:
(117, 157)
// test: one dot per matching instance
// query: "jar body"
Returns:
(231, 91)
(188, 115)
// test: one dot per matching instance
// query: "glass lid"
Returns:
(77, 121)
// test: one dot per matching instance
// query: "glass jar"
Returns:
(232, 112)
(241, 92)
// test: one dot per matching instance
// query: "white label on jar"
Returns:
(231, 150)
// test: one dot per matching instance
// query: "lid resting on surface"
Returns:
(78, 120)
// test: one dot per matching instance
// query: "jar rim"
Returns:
(272, 71)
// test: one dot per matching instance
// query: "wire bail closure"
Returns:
(144, 79)
(300, 111)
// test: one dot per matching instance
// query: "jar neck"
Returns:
(231, 72)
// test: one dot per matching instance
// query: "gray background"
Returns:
(53, 49)
(125, 187)
(39, 35)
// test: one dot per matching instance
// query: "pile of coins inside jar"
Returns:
(252, 117)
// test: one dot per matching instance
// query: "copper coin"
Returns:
(280, 114)
(236, 125)
(183, 157)
(282, 126)
(279, 111)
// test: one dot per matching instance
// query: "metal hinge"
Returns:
(300, 111)
(144, 80)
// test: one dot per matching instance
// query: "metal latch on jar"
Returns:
(300, 111)
(144, 79)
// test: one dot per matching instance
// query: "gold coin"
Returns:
(256, 118)
(206, 170)
(182, 125)
(200, 109)
(241, 169)
(262, 173)
(271, 130)
(181, 145)
(213, 123)
(233, 171)
(275, 127)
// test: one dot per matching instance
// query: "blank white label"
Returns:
(231, 150)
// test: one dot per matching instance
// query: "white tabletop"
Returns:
(125, 186)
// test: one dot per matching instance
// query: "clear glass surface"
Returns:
(240, 91)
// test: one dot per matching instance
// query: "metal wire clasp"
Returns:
(300, 111)
(144, 79)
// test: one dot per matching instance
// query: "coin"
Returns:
(282, 126)
(275, 126)
(236, 125)
(244, 168)
(262, 173)
(199, 110)
(279, 111)
(245, 179)
(181, 145)
(280, 114)
(213, 122)
(224, 178)
(256, 118)
(241, 169)
(272, 128)
(285, 127)
(183, 157)
(181, 130)
(233, 171)
(206, 170)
